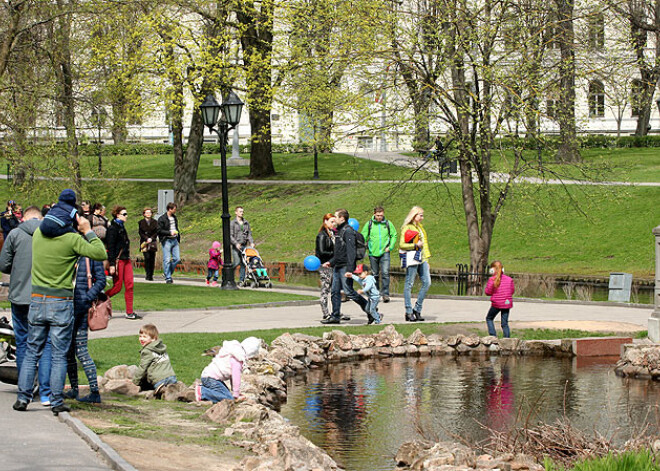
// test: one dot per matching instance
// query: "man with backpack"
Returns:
(343, 261)
(381, 238)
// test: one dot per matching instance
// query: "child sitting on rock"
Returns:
(155, 370)
(226, 365)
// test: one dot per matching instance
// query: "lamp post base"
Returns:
(228, 285)
(654, 329)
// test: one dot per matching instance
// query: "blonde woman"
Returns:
(415, 253)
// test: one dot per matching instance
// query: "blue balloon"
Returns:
(354, 224)
(312, 263)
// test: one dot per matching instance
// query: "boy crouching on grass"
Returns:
(155, 370)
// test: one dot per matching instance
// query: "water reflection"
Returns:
(362, 412)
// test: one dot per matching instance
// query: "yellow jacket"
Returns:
(426, 252)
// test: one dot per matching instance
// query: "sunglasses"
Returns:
(123, 214)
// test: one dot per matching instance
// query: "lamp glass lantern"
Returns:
(232, 107)
(210, 111)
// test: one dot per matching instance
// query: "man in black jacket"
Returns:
(168, 233)
(342, 262)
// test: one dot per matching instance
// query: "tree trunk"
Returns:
(568, 146)
(119, 119)
(257, 45)
(64, 73)
(421, 102)
(186, 173)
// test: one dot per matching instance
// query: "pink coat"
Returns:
(502, 297)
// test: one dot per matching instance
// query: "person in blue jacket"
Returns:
(83, 296)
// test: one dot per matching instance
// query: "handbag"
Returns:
(100, 312)
(410, 258)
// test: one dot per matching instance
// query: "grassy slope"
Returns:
(539, 229)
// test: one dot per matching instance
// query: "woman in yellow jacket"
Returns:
(414, 252)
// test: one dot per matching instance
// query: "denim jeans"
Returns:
(215, 390)
(424, 273)
(47, 317)
(380, 266)
(212, 274)
(165, 381)
(19, 320)
(372, 308)
(492, 312)
(339, 283)
(237, 259)
(171, 257)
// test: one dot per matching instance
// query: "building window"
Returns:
(366, 142)
(596, 99)
(596, 31)
(636, 97)
(551, 106)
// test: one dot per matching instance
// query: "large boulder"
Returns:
(173, 392)
(341, 340)
(417, 338)
(291, 345)
(121, 386)
(120, 372)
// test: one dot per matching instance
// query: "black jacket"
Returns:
(344, 255)
(325, 247)
(117, 241)
(164, 228)
(149, 230)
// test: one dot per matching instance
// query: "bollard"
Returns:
(654, 320)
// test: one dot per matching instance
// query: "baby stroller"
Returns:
(256, 274)
(8, 370)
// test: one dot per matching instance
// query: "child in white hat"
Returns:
(226, 365)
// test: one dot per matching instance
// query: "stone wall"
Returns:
(277, 445)
(639, 361)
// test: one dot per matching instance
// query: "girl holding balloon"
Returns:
(325, 249)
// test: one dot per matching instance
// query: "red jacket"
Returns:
(502, 297)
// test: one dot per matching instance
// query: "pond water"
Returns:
(361, 413)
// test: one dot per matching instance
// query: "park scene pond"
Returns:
(361, 413)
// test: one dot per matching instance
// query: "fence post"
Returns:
(282, 272)
(654, 320)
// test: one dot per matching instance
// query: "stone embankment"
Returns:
(639, 361)
(255, 425)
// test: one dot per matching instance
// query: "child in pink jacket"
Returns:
(226, 365)
(500, 288)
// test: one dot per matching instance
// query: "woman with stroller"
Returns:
(325, 249)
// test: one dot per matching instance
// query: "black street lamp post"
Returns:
(657, 102)
(98, 116)
(221, 119)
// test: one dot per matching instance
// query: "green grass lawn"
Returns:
(185, 349)
(542, 229)
(160, 297)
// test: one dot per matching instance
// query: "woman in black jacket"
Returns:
(119, 259)
(148, 230)
(83, 296)
(325, 249)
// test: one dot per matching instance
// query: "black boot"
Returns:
(410, 317)
(418, 317)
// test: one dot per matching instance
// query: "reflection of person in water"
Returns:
(343, 410)
(500, 400)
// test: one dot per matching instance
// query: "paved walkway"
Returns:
(35, 440)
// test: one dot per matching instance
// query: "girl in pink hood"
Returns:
(226, 365)
(500, 288)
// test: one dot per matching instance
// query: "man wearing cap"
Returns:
(381, 238)
(343, 261)
(51, 308)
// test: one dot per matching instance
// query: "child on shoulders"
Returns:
(155, 369)
(61, 217)
(226, 365)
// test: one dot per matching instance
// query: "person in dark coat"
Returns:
(119, 259)
(325, 249)
(148, 231)
(83, 296)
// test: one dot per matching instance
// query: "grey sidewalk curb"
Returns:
(95, 443)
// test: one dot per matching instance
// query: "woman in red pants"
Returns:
(119, 259)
